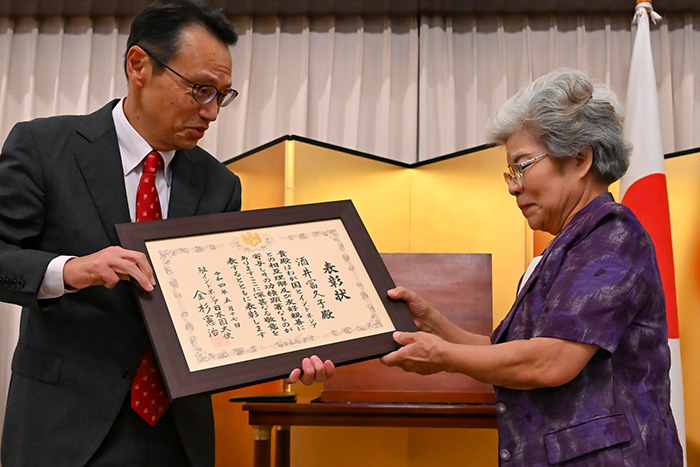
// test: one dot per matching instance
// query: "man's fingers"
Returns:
(313, 369)
(144, 277)
(322, 370)
(329, 367)
(107, 267)
(294, 376)
(145, 267)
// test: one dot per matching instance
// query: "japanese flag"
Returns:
(643, 188)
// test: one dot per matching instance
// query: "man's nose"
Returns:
(209, 111)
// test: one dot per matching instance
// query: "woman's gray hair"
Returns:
(567, 113)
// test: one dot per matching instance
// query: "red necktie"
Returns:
(147, 202)
(148, 397)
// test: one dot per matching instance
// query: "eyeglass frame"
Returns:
(516, 171)
(196, 87)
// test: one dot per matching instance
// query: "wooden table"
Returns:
(265, 415)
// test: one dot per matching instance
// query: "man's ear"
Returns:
(138, 66)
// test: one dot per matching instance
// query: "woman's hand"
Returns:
(419, 308)
(421, 353)
(430, 320)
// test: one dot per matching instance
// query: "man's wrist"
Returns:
(52, 286)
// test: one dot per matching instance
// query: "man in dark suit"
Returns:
(64, 183)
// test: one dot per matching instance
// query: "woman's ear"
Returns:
(584, 160)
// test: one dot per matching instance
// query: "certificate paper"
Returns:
(241, 298)
(237, 296)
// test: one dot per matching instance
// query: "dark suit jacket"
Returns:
(61, 193)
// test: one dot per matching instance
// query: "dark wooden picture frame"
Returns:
(182, 382)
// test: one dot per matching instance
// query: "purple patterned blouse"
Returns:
(597, 283)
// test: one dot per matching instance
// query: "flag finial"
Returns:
(645, 7)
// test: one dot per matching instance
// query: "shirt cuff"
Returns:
(52, 286)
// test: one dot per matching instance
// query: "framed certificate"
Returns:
(241, 298)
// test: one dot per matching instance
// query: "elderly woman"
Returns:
(580, 363)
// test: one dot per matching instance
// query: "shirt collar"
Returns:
(132, 146)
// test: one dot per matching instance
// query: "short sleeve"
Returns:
(604, 282)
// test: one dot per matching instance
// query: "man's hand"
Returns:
(312, 369)
(107, 267)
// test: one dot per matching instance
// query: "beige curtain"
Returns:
(347, 81)
(403, 88)
(470, 65)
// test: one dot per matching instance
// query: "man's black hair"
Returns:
(158, 27)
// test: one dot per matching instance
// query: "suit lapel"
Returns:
(187, 186)
(97, 155)
(98, 158)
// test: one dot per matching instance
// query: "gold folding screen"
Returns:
(455, 204)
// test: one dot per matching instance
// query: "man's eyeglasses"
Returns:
(515, 172)
(202, 93)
